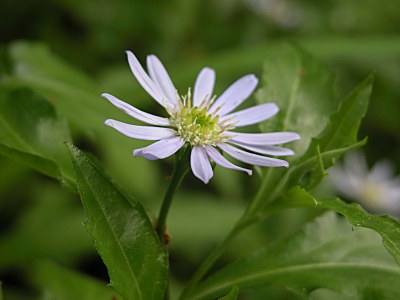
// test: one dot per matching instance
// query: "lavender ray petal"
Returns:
(146, 82)
(200, 164)
(222, 161)
(160, 76)
(252, 115)
(141, 132)
(234, 95)
(160, 149)
(204, 86)
(251, 158)
(136, 113)
(264, 149)
(261, 139)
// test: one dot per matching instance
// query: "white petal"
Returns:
(160, 149)
(145, 81)
(200, 164)
(222, 161)
(235, 95)
(258, 139)
(136, 113)
(252, 115)
(160, 76)
(251, 158)
(204, 86)
(141, 132)
(265, 149)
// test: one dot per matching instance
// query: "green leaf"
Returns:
(338, 137)
(340, 132)
(327, 253)
(232, 295)
(60, 283)
(33, 134)
(122, 233)
(302, 87)
(387, 227)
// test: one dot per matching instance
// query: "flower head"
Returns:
(376, 189)
(201, 121)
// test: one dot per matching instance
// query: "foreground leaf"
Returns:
(123, 235)
(328, 253)
(33, 134)
(387, 227)
(59, 283)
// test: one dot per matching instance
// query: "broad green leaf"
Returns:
(60, 283)
(327, 253)
(77, 97)
(33, 134)
(338, 137)
(122, 233)
(302, 87)
(387, 227)
(232, 295)
(341, 131)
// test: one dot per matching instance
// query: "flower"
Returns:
(202, 122)
(376, 189)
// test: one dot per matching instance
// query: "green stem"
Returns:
(181, 167)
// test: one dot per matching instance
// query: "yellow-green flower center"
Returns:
(196, 126)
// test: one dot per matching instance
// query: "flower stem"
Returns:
(181, 167)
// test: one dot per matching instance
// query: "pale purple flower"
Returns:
(203, 122)
(376, 189)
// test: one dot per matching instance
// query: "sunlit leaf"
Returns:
(327, 253)
(33, 134)
(338, 137)
(340, 132)
(60, 283)
(122, 233)
(302, 87)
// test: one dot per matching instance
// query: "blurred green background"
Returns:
(81, 44)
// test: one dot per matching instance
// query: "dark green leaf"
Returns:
(387, 227)
(327, 253)
(77, 97)
(33, 134)
(49, 226)
(123, 235)
(59, 283)
(232, 295)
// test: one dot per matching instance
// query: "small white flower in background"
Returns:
(376, 189)
(203, 121)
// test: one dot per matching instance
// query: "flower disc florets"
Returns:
(195, 125)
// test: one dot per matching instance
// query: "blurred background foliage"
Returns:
(70, 51)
